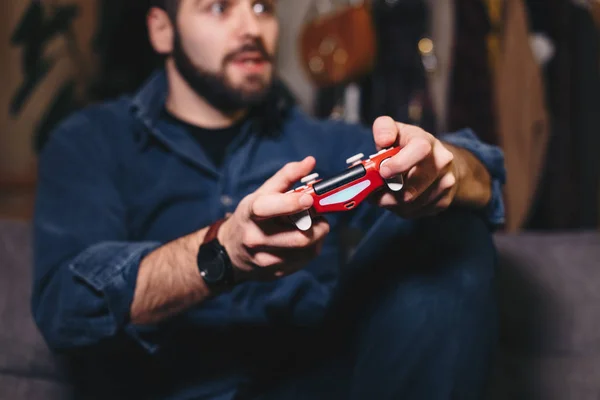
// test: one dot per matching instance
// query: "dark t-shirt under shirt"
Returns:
(214, 142)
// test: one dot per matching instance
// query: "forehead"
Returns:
(201, 2)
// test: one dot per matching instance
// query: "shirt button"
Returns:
(227, 201)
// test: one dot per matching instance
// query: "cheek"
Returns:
(271, 36)
(205, 51)
(206, 56)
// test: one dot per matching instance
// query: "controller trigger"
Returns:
(395, 184)
(302, 220)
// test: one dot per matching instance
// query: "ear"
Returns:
(160, 30)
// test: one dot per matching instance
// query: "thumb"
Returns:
(289, 174)
(385, 132)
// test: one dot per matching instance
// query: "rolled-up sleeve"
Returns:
(85, 264)
(492, 157)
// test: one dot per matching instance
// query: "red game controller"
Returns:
(346, 190)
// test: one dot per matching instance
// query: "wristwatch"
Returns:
(213, 261)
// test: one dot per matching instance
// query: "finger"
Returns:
(272, 233)
(384, 199)
(387, 200)
(385, 132)
(407, 132)
(290, 237)
(441, 156)
(280, 232)
(427, 172)
(410, 155)
(418, 180)
(283, 259)
(278, 204)
(441, 203)
(266, 258)
(445, 184)
(423, 176)
(412, 210)
(288, 175)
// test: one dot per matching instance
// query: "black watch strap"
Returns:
(213, 261)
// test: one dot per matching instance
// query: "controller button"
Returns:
(309, 178)
(355, 158)
(378, 153)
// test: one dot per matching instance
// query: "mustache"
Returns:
(256, 46)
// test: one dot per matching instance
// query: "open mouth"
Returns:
(255, 58)
(251, 62)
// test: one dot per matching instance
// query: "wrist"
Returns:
(213, 261)
(473, 181)
(221, 233)
(222, 236)
(460, 166)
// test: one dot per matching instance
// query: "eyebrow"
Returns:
(199, 3)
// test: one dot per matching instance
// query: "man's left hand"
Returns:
(430, 170)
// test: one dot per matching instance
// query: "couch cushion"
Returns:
(22, 349)
(558, 377)
(14, 387)
(550, 291)
(549, 299)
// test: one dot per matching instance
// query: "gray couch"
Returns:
(550, 320)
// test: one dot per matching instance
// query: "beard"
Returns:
(216, 88)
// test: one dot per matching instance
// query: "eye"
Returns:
(263, 7)
(219, 7)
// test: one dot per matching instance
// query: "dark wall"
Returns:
(569, 194)
(122, 43)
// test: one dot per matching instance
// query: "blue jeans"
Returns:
(418, 324)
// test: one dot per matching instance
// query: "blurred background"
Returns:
(523, 74)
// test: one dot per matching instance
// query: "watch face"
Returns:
(210, 263)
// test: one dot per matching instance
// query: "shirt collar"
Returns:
(149, 101)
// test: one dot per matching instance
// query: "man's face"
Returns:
(224, 49)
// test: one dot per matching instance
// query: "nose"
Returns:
(249, 24)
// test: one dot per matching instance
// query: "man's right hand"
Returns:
(260, 240)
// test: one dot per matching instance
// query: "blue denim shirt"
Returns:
(116, 182)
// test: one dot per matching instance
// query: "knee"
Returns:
(465, 248)
(456, 229)
(434, 304)
(427, 308)
(450, 258)
(457, 246)
(442, 265)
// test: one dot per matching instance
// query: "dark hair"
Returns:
(170, 6)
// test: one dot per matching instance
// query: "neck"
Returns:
(184, 103)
